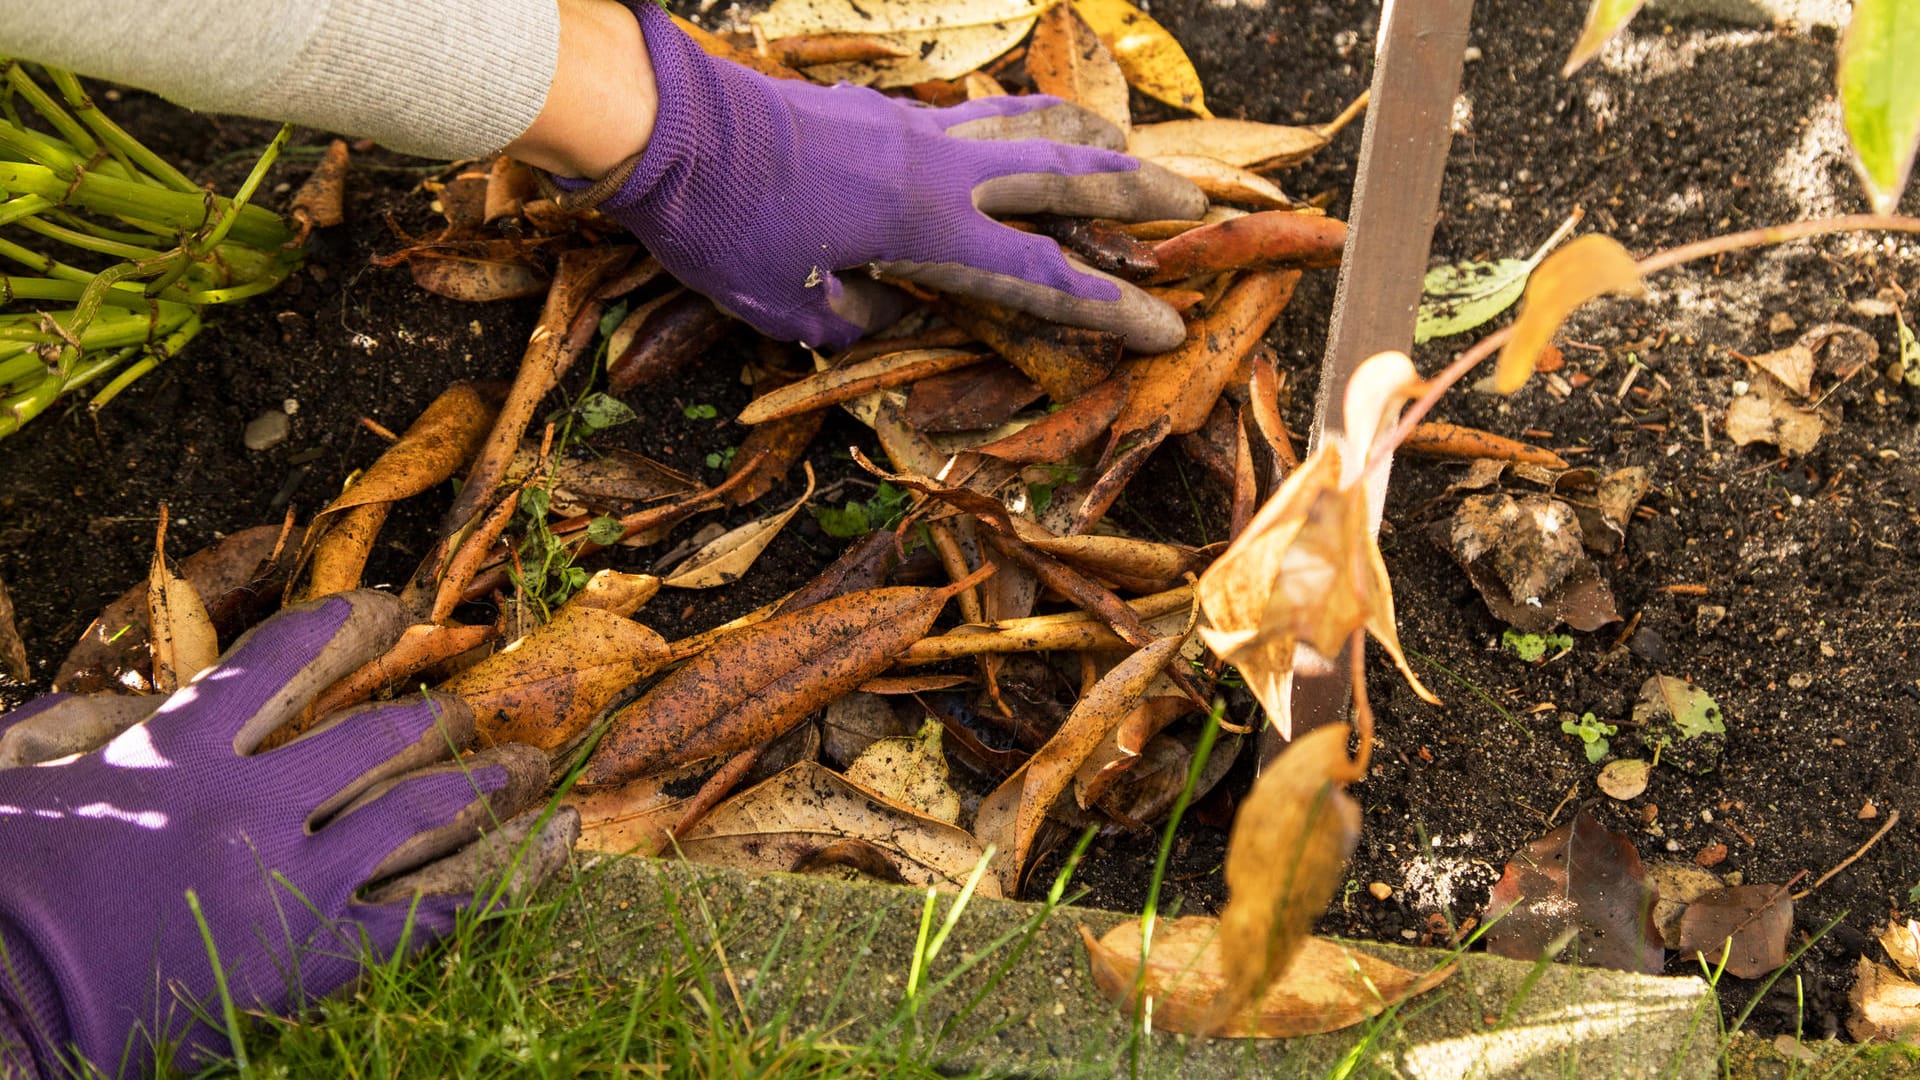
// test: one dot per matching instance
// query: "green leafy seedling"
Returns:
(1593, 733)
(1533, 648)
(722, 458)
(855, 518)
(700, 412)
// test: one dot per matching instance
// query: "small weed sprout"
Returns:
(1593, 733)
(1533, 648)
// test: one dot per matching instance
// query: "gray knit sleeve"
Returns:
(439, 78)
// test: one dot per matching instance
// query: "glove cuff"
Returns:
(33, 1025)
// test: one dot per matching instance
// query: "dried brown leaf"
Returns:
(1068, 60)
(319, 202)
(546, 688)
(1066, 361)
(1010, 817)
(1747, 924)
(658, 340)
(1224, 183)
(1184, 384)
(13, 651)
(1327, 987)
(754, 683)
(810, 50)
(1767, 413)
(1151, 58)
(420, 647)
(971, 400)
(786, 821)
(1579, 878)
(184, 642)
(838, 384)
(1273, 240)
(935, 39)
(637, 817)
(1584, 268)
(1886, 1007)
(1062, 433)
(1243, 143)
(477, 280)
(729, 556)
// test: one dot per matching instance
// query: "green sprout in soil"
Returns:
(1593, 733)
(120, 254)
(722, 458)
(854, 518)
(1533, 648)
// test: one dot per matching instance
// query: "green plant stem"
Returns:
(116, 197)
(116, 137)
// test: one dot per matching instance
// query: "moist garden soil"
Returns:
(1813, 560)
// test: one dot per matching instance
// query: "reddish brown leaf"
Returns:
(1121, 749)
(715, 45)
(811, 50)
(658, 340)
(1747, 924)
(1578, 878)
(1435, 439)
(477, 280)
(1103, 245)
(510, 186)
(1061, 434)
(1066, 361)
(319, 202)
(754, 683)
(1183, 384)
(13, 652)
(849, 381)
(982, 397)
(1274, 240)
(420, 647)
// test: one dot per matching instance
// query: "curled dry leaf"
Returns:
(754, 683)
(341, 536)
(13, 651)
(1149, 56)
(1074, 631)
(546, 688)
(637, 817)
(1009, 819)
(1272, 240)
(1066, 361)
(1139, 566)
(1068, 60)
(1902, 942)
(784, 823)
(478, 279)
(844, 383)
(184, 642)
(1886, 1007)
(420, 647)
(1747, 924)
(969, 400)
(1767, 413)
(1587, 267)
(1183, 384)
(1442, 440)
(1579, 878)
(1062, 433)
(616, 593)
(809, 50)
(1224, 183)
(661, 338)
(1307, 573)
(723, 561)
(857, 721)
(1120, 751)
(1287, 854)
(1326, 987)
(910, 771)
(933, 39)
(1242, 143)
(318, 204)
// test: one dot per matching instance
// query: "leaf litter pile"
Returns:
(993, 664)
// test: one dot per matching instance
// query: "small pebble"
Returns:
(290, 406)
(1708, 616)
(1380, 890)
(1800, 680)
(1710, 856)
(267, 430)
(1868, 812)
(1781, 323)
(1410, 935)
(1648, 645)
(1673, 845)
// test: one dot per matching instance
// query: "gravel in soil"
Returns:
(1804, 633)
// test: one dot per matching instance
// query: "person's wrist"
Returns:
(602, 103)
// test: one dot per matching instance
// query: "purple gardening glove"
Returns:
(102, 953)
(758, 192)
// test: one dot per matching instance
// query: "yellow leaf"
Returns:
(1068, 60)
(1604, 19)
(1287, 854)
(1326, 988)
(184, 642)
(936, 39)
(1588, 267)
(1245, 143)
(1151, 58)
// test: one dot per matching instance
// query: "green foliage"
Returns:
(700, 412)
(596, 412)
(544, 570)
(605, 531)
(722, 458)
(116, 254)
(1593, 733)
(853, 518)
(1534, 647)
(1879, 96)
(1040, 491)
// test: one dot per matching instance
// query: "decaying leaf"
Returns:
(783, 823)
(544, 689)
(1327, 986)
(477, 279)
(637, 817)
(1307, 572)
(969, 400)
(661, 338)
(184, 642)
(1747, 924)
(1767, 413)
(1272, 240)
(1461, 296)
(1068, 60)
(1123, 746)
(1285, 858)
(1582, 879)
(1433, 438)
(857, 721)
(724, 560)
(1010, 817)
(1604, 504)
(1902, 942)
(849, 381)
(1683, 721)
(1243, 143)
(1062, 433)
(1066, 361)
(1677, 884)
(1526, 559)
(1886, 1007)
(1151, 58)
(1182, 385)
(420, 647)
(810, 50)
(112, 654)
(1224, 183)
(1793, 366)
(13, 651)
(910, 771)
(934, 39)
(615, 592)
(1605, 18)
(318, 204)
(1587, 267)
(754, 683)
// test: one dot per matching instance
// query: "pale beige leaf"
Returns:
(784, 821)
(936, 39)
(1902, 943)
(615, 592)
(1011, 816)
(836, 385)
(13, 651)
(1247, 144)
(1068, 60)
(1587, 267)
(1151, 58)
(723, 561)
(910, 771)
(1326, 987)
(1886, 1007)
(1793, 366)
(1223, 182)
(184, 641)
(636, 817)
(1767, 413)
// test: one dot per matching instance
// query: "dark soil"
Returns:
(1813, 560)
